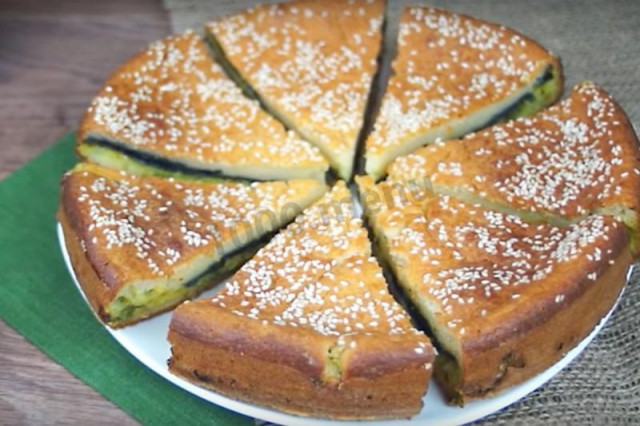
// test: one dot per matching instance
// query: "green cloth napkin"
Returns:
(39, 300)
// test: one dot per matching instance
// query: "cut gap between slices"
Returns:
(624, 214)
(418, 314)
(374, 100)
(234, 74)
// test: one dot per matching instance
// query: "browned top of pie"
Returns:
(312, 61)
(448, 66)
(578, 156)
(142, 228)
(173, 100)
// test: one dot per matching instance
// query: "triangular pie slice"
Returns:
(454, 74)
(505, 299)
(141, 245)
(575, 158)
(172, 110)
(311, 63)
(308, 326)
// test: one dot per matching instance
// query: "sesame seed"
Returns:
(127, 221)
(320, 82)
(500, 258)
(561, 161)
(203, 115)
(424, 94)
(312, 276)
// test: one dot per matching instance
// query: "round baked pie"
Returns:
(497, 228)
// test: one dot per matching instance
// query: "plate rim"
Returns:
(472, 411)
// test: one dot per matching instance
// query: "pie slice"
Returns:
(504, 299)
(454, 74)
(308, 326)
(171, 110)
(575, 158)
(311, 63)
(141, 245)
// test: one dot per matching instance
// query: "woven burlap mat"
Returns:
(599, 41)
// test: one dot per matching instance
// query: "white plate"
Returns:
(147, 342)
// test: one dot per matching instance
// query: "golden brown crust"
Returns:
(147, 232)
(216, 326)
(95, 290)
(172, 101)
(565, 286)
(575, 158)
(313, 312)
(104, 283)
(450, 67)
(253, 380)
(369, 356)
(312, 63)
(282, 367)
(487, 369)
(377, 356)
(494, 289)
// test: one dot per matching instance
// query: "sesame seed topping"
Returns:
(141, 235)
(313, 69)
(569, 160)
(491, 62)
(319, 274)
(173, 100)
(502, 259)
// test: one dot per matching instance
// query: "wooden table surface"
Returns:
(53, 58)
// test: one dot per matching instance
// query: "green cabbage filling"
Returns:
(543, 94)
(629, 218)
(107, 154)
(134, 304)
(333, 364)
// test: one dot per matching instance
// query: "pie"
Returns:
(576, 158)
(475, 73)
(141, 245)
(311, 63)
(171, 110)
(308, 326)
(483, 257)
(503, 298)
